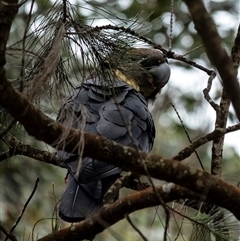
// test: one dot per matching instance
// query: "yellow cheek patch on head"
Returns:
(127, 80)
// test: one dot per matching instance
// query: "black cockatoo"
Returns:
(114, 106)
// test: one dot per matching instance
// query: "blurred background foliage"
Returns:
(150, 18)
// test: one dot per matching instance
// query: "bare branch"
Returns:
(207, 90)
(105, 150)
(236, 50)
(113, 191)
(8, 10)
(187, 151)
(221, 122)
(113, 213)
(136, 228)
(171, 26)
(222, 114)
(215, 51)
(24, 207)
(16, 147)
(197, 184)
(8, 235)
(169, 54)
(186, 132)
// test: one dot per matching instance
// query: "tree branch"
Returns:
(24, 208)
(8, 10)
(222, 115)
(235, 53)
(202, 185)
(113, 213)
(8, 235)
(187, 151)
(49, 131)
(215, 51)
(16, 147)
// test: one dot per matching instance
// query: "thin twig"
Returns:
(186, 132)
(24, 207)
(64, 11)
(205, 221)
(192, 50)
(34, 226)
(215, 51)
(167, 219)
(169, 54)
(207, 90)
(114, 189)
(8, 235)
(187, 151)
(221, 121)
(127, 180)
(16, 147)
(171, 26)
(136, 228)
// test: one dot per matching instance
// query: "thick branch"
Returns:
(235, 53)
(43, 128)
(215, 50)
(222, 115)
(8, 10)
(16, 147)
(49, 131)
(113, 213)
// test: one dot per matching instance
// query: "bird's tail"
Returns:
(83, 200)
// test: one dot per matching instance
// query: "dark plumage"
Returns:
(117, 111)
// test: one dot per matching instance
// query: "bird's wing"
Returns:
(116, 110)
(121, 116)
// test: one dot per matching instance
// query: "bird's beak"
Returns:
(161, 74)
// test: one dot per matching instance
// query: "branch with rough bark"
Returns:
(16, 147)
(191, 183)
(43, 128)
(113, 213)
(127, 158)
(205, 26)
(8, 10)
(227, 67)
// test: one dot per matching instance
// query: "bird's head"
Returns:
(146, 70)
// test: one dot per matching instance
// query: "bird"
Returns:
(113, 104)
